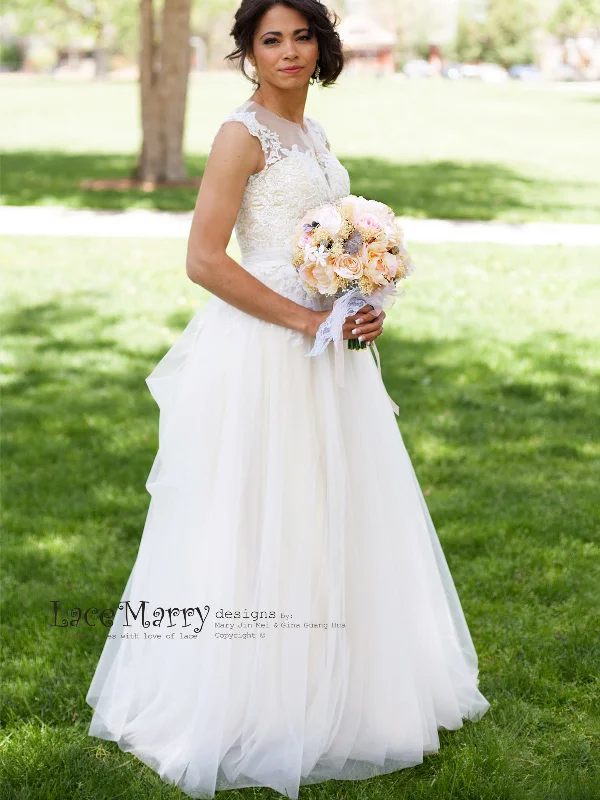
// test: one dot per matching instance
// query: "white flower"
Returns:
(329, 218)
(310, 253)
(321, 255)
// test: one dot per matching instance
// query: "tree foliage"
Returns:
(505, 36)
(112, 24)
(575, 17)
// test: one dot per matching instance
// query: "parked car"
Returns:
(483, 71)
(452, 71)
(417, 68)
(469, 71)
(566, 72)
(492, 73)
(525, 72)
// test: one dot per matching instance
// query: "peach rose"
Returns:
(376, 248)
(306, 272)
(376, 270)
(348, 266)
(325, 278)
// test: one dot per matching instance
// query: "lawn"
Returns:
(430, 149)
(492, 357)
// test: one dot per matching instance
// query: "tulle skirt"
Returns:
(290, 617)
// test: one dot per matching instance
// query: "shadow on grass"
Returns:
(504, 462)
(53, 178)
(442, 189)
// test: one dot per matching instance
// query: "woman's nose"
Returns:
(291, 51)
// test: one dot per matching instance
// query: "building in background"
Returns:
(368, 47)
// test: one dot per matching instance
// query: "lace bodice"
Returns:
(300, 172)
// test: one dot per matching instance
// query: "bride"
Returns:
(290, 616)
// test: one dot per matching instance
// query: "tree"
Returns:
(60, 20)
(574, 17)
(165, 56)
(505, 36)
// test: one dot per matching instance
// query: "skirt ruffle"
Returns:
(274, 489)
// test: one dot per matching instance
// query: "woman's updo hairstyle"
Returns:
(321, 22)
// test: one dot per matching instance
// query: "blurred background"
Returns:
(500, 81)
(486, 39)
(478, 122)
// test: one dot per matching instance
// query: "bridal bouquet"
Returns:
(352, 249)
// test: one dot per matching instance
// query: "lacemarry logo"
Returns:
(133, 614)
(143, 615)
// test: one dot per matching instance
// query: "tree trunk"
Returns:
(101, 48)
(164, 72)
(100, 61)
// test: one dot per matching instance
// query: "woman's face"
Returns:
(282, 40)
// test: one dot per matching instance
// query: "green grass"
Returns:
(492, 357)
(456, 150)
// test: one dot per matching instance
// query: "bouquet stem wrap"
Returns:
(347, 305)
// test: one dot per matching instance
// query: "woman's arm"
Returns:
(234, 156)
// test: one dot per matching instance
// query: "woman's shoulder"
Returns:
(243, 113)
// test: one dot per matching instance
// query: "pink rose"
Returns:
(369, 222)
(390, 262)
(304, 239)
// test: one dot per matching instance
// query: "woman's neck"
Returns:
(287, 104)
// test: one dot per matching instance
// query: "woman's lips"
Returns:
(292, 70)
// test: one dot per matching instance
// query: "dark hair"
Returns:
(321, 22)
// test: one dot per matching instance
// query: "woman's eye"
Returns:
(273, 41)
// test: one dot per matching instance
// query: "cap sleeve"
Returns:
(269, 140)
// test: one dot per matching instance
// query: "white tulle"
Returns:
(276, 489)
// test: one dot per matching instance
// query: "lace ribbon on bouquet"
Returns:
(347, 305)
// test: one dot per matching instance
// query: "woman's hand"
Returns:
(365, 325)
(369, 326)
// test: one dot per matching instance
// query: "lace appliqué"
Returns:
(269, 140)
(272, 148)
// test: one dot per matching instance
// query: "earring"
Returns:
(252, 71)
(317, 72)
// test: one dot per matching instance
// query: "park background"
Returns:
(484, 140)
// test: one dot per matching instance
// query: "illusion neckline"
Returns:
(304, 130)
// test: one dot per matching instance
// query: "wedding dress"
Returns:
(314, 629)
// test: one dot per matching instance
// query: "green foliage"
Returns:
(113, 21)
(11, 55)
(575, 17)
(505, 37)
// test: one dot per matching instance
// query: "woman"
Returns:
(296, 618)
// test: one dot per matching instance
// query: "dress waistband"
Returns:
(268, 256)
